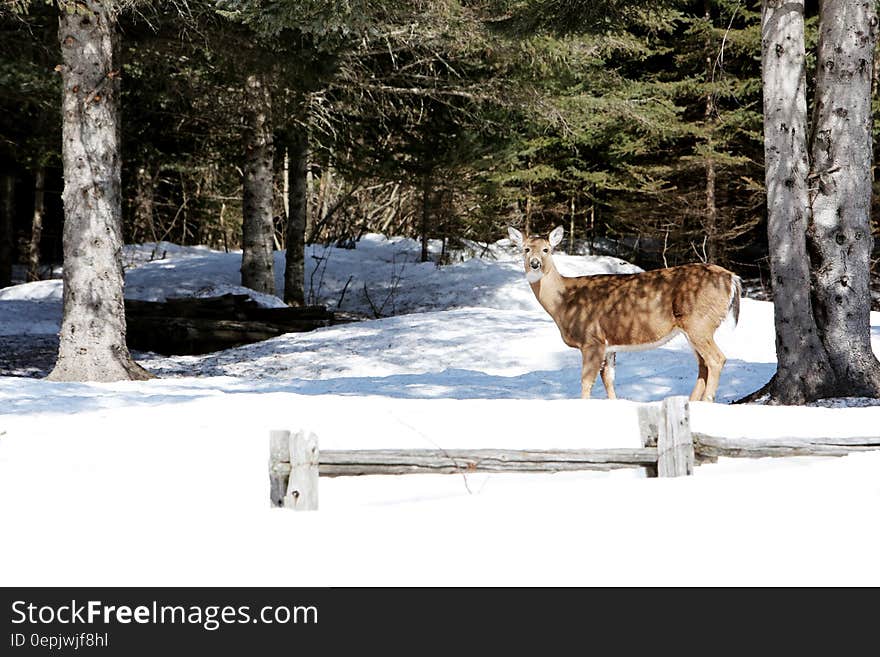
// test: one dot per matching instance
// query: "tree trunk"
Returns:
(712, 239)
(294, 269)
(6, 217)
(528, 225)
(257, 266)
(285, 185)
(711, 219)
(839, 235)
(310, 194)
(426, 214)
(324, 193)
(803, 369)
(145, 189)
(33, 255)
(92, 341)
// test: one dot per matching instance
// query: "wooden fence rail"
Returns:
(670, 449)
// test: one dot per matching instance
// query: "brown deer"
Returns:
(603, 314)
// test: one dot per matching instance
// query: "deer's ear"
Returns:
(515, 236)
(556, 236)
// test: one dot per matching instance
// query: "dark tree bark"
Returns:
(33, 254)
(6, 213)
(839, 236)
(257, 266)
(92, 342)
(803, 370)
(297, 213)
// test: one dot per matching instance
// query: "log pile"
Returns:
(190, 325)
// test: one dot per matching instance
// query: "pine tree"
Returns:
(29, 127)
(818, 198)
(651, 121)
(92, 341)
(257, 260)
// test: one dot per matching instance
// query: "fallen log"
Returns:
(183, 326)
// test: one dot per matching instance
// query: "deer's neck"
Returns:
(549, 291)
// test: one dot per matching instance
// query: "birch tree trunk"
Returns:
(33, 255)
(92, 341)
(839, 235)
(6, 212)
(803, 369)
(257, 266)
(297, 186)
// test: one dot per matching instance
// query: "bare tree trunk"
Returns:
(591, 222)
(297, 185)
(322, 204)
(145, 189)
(839, 235)
(426, 214)
(803, 369)
(33, 255)
(6, 215)
(258, 232)
(711, 218)
(92, 342)
(310, 195)
(528, 224)
(712, 237)
(285, 184)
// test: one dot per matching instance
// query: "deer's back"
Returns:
(643, 308)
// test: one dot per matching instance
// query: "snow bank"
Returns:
(154, 485)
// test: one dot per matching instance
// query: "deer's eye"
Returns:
(528, 249)
(546, 250)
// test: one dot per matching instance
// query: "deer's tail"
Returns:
(736, 289)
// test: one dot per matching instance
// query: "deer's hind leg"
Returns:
(702, 374)
(607, 372)
(709, 353)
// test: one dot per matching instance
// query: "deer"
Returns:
(606, 313)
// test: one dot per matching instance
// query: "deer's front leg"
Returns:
(593, 357)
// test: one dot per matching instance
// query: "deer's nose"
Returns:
(534, 263)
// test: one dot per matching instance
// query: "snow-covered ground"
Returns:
(165, 482)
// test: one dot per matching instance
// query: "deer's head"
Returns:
(536, 251)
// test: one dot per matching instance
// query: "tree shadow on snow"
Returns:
(636, 381)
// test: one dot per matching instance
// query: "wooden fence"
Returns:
(670, 449)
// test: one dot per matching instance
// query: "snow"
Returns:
(165, 482)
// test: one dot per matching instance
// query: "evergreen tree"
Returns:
(818, 197)
(92, 341)
(636, 121)
(308, 36)
(29, 125)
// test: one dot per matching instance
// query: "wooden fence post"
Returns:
(649, 420)
(675, 445)
(302, 488)
(279, 453)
